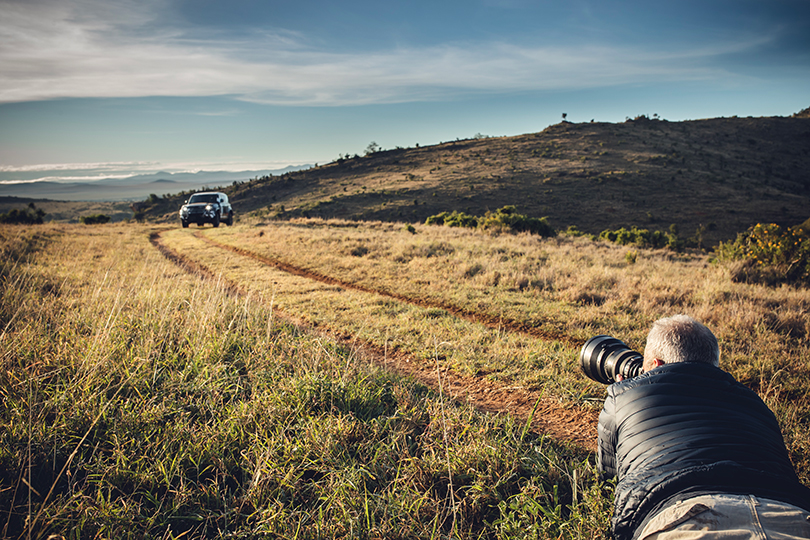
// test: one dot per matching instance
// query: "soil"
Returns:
(566, 423)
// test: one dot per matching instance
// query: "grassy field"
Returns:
(546, 296)
(233, 397)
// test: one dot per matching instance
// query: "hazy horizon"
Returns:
(107, 185)
(95, 172)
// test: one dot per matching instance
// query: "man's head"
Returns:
(680, 339)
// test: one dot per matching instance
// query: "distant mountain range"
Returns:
(134, 188)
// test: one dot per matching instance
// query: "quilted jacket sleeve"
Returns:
(606, 429)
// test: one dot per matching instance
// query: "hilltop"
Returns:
(724, 174)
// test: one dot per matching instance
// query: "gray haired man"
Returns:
(696, 454)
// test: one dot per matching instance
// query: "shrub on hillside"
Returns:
(768, 253)
(644, 238)
(461, 219)
(27, 216)
(505, 219)
(453, 219)
(437, 219)
(95, 219)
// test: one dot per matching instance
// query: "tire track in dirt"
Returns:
(193, 267)
(565, 423)
(472, 316)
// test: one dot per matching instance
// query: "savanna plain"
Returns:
(323, 378)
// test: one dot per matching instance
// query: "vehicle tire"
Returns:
(229, 221)
(215, 223)
(184, 223)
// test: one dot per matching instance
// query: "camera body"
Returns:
(604, 357)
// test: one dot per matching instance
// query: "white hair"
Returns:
(681, 338)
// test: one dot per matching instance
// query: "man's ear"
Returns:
(652, 363)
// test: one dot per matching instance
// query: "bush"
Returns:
(644, 238)
(769, 254)
(437, 219)
(504, 218)
(574, 231)
(460, 219)
(94, 219)
(453, 219)
(27, 216)
(507, 218)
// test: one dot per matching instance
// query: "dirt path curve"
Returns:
(480, 318)
(567, 423)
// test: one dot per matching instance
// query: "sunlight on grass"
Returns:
(572, 288)
(141, 401)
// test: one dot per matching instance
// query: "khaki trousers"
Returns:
(728, 517)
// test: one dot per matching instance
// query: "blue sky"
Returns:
(144, 85)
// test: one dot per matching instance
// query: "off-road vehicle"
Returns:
(207, 207)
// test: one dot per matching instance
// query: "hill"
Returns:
(723, 174)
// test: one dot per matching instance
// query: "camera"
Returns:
(604, 357)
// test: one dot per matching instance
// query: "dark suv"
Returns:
(207, 207)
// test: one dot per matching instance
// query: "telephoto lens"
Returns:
(604, 357)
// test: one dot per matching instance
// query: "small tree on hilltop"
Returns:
(372, 148)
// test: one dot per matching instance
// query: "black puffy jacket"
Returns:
(689, 428)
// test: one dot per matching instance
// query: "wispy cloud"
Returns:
(81, 48)
(107, 166)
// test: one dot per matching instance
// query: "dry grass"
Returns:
(572, 288)
(140, 401)
(143, 401)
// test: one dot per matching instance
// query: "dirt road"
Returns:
(568, 423)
